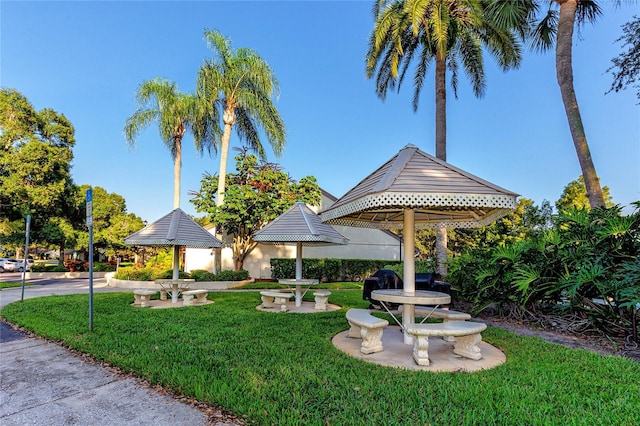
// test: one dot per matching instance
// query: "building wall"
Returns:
(364, 243)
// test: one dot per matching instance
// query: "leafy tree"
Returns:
(35, 176)
(255, 195)
(176, 113)
(554, 23)
(239, 86)
(451, 33)
(574, 195)
(626, 66)
(111, 222)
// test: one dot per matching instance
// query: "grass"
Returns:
(12, 284)
(282, 368)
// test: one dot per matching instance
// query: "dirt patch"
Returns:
(600, 344)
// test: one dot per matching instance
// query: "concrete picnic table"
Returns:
(174, 286)
(409, 300)
(298, 283)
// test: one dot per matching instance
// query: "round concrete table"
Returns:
(409, 301)
(299, 291)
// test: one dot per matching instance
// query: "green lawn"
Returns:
(282, 368)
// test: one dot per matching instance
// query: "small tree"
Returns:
(575, 195)
(255, 195)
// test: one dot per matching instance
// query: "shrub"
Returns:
(134, 274)
(202, 275)
(328, 270)
(232, 275)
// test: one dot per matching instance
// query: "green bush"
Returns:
(240, 275)
(134, 274)
(103, 267)
(202, 275)
(327, 270)
(589, 254)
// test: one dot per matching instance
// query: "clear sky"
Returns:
(85, 59)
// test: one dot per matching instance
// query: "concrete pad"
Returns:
(398, 354)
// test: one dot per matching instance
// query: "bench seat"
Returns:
(272, 298)
(445, 314)
(141, 297)
(321, 297)
(467, 338)
(368, 328)
(200, 295)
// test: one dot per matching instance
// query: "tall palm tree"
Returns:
(160, 101)
(557, 25)
(451, 33)
(239, 86)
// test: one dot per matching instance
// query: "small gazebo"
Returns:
(300, 226)
(175, 230)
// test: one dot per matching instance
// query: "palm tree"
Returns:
(451, 33)
(239, 86)
(560, 19)
(160, 101)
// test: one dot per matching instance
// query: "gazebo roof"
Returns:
(173, 229)
(440, 194)
(298, 224)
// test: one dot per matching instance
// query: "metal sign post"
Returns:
(90, 226)
(26, 255)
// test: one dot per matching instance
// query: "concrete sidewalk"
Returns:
(42, 383)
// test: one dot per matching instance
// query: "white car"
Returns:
(13, 265)
(9, 265)
(21, 264)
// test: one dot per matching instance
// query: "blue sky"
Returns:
(85, 59)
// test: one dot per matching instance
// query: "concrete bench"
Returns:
(446, 315)
(200, 295)
(272, 298)
(321, 298)
(467, 338)
(141, 297)
(368, 328)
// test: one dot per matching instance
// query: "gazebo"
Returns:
(416, 190)
(300, 226)
(175, 230)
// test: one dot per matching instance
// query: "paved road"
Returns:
(42, 383)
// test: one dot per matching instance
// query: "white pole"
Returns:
(408, 311)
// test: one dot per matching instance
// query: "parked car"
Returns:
(9, 265)
(21, 264)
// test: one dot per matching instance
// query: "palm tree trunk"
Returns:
(564, 74)
(177, 165)
(229, 120)
(441, 108)
(441, 151)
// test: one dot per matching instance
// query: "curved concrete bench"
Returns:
(368, 328)
(467, 338)
(321, 298)
(272, 298)
(200, 295)
(446, 315)
(141, 297)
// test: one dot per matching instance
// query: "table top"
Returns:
(298, 282)
(419, 297)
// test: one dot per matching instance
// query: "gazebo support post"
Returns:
(298, 271)
(176, 274)
(409, 269)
